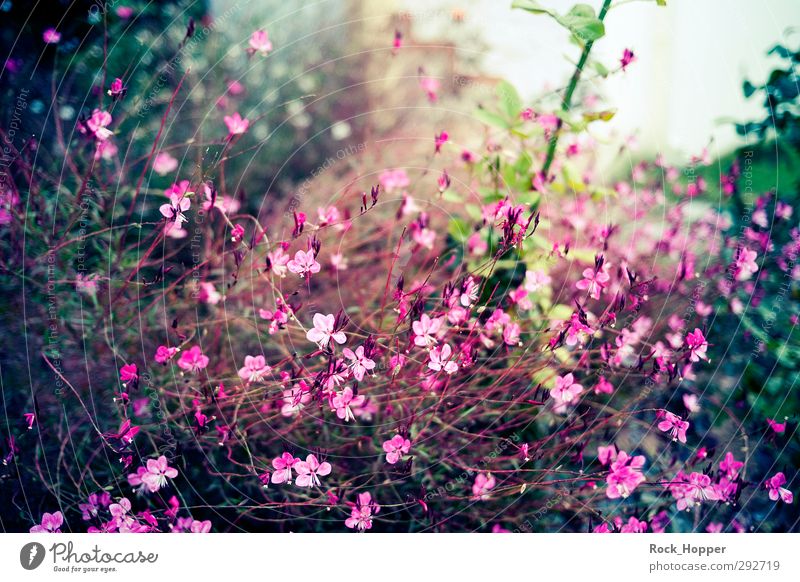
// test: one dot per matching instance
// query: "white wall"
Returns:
(692, 58)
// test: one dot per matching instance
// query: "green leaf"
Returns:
(606, 115)
(490, 118)
(531, 6)
(510, 101)
(661, 2)
(582, 22)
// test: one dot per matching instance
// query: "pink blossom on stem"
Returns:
(236, 124)
(395, 448)
(193, 360)
(283, 466)
(775, 486)
(304, 262)
(323, 331)
(625, 475)
(254, 370)
(359, 363)
(51, 523)
(310, 470)
(674, 425)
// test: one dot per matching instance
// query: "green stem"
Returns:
(566, 103)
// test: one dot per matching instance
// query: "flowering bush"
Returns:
(483, 336)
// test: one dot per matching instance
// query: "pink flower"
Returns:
(634, 525)
(606, 454)
(343, 401)
(174, 211)
(778, 427)
(594, 281)
(603, 386)
(304, 262)
(208, 294)
(484, 482)
(535, 280)
(440, 358)
(426, 330)
(745, 266)
(51, 36)
(431, 87)
(30, 418)
(277, 261)
(310, 470)
(237, 233)
(565, 392)
(295, 399)
(690, 401)
(697, 345)
(692, 490)
(359, 363)
(193, 360)
(260, 43)
(117, 89)
(627, 58)
(157, 473)
(674, 425)
(236, 124)
(440, 139)
(730, 466)
(254, 370)
(774, 484)
(164, 354)
(283, 466)
(128, 373)
(396, 447)
(323, 331)
(625, 475)
(362, 513)
(511, 334)
(51, 523)
(98, 123)
(392, 180)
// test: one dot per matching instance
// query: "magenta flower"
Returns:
(440, 139)
(156, 474)
(565, 392)
(674, 425)
(304, 262)
(236, 124)
(625, 475)
(362, 513)
(697, 345)
(484, 482)
(164, 354)
(594, 281)
(98, 123)
(603, 386)
(774, 484)
(254, 370)
(260, 43)
(277, 262)
(128, 373)
(692, 490)
(745, 266)
(164, 163)
(359, 363)
(431, 87)
(193, 360)
(778, 427)
(730, 466)
(426, 330)
(295, 399)
(392, 180)
(117, 89)
(174, 211)
(51, 36)
(30, 418)
(310, 470)
(441, 359)
(395, 448)
(323, 331)
(283, 466)
(344, 402)
(627, 58)
(51, 523)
